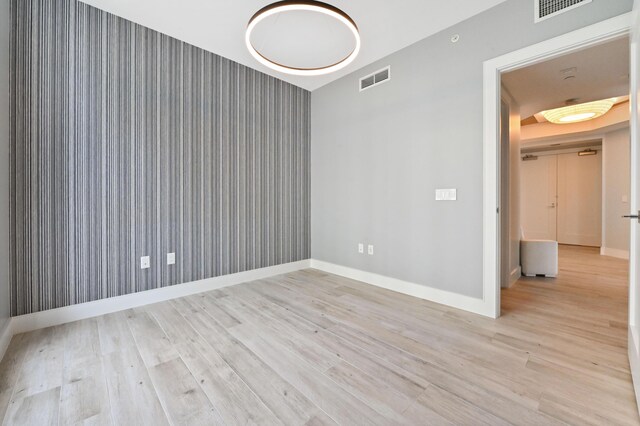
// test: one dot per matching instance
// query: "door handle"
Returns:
(633, 216)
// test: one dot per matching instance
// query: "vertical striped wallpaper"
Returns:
(126, 142)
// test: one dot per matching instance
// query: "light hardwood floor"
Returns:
(312, 348)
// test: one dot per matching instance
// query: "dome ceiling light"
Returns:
(578, 113)
(273, 54)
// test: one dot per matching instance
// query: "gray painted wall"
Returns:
(378, 156)
(4, 163)
(128, 143)
(616, 169)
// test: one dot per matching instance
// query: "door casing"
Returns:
(601, 32)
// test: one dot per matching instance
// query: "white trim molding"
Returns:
(515, 275)
(49, 318)
(37, 320)
(5, 337)
(620, 254)
(585, 37)
(634, 361)
(431, 294)
(634, 125)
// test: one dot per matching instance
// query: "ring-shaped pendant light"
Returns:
(310, 6)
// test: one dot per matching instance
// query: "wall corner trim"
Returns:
(5, 337)
(443, 297)
(620, 254)
(43, 319)
(634, 361)
(515, 275)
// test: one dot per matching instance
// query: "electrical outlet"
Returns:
(361, 248)
(370, 250)
(171, 258)
(145, 262)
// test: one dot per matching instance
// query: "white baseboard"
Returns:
(514, 276)
(43, 319)
(37, 320)
(5, 337)
(471, 304)
(621, 254)
(634, 362)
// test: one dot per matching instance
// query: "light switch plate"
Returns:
(370, 250)
(171, 258)
(446, 194)
(145, 262)
(361, 248)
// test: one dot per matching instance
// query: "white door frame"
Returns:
(576, 40)
(634, 341)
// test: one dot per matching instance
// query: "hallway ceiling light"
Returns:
(578, 113)
(283, 7)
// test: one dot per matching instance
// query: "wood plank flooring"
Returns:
(312, 348)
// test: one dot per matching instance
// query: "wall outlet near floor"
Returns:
(145, 262)
(370, 250)
(360, 248)
(171, 258)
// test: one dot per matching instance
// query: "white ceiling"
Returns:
(219, 25)
(601, 72)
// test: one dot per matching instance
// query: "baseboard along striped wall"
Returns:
(126, 143)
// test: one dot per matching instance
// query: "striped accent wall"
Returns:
(126, 143)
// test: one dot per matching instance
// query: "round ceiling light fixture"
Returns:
(578, 113)
(283, 7)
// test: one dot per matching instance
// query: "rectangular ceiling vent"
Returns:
(546, 9)
(378, 77)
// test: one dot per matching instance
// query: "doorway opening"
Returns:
(565, 162)
(566, 185)
(565, 179)
(493, 237)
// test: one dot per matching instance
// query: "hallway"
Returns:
(574, 329)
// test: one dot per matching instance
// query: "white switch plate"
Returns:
(145, 262)
(361, 248)
(171, 258)
(446, 194)
(370, 250)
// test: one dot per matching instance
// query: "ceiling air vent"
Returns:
(378, 77)
(546, 9)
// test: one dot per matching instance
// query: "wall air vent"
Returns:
(378, 77)
(546, 9)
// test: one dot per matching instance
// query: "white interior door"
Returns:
(634, 257)
(580, 199)
(538, 180)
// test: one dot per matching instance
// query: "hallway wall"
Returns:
(616, 186)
